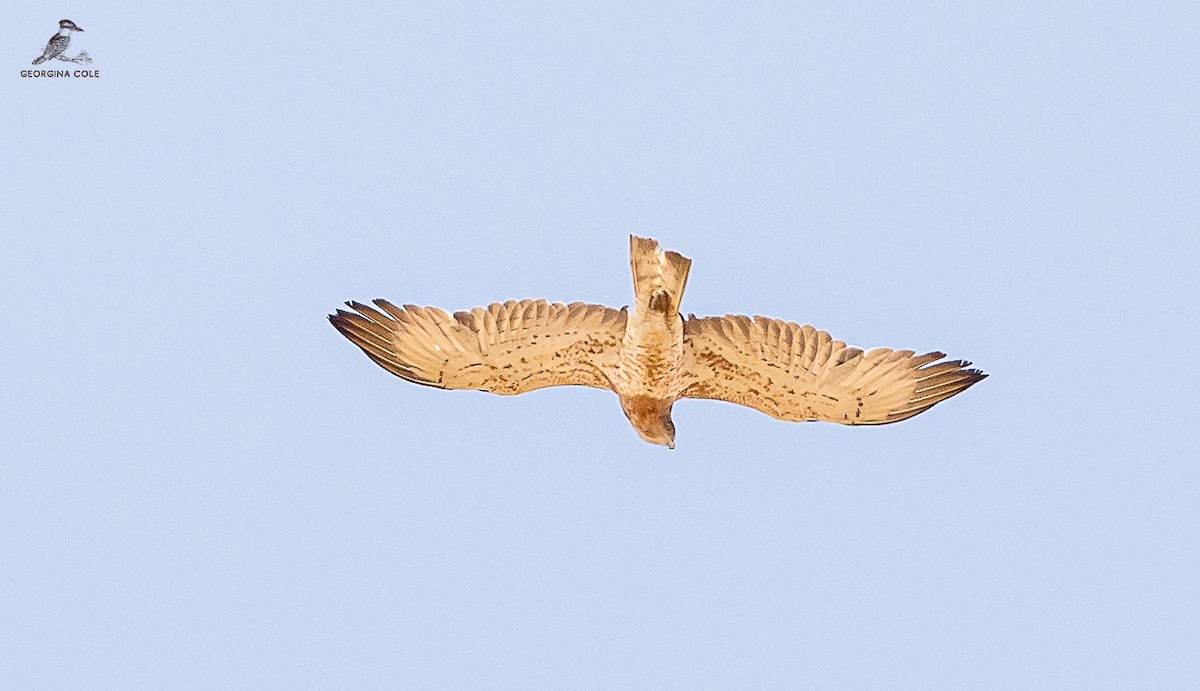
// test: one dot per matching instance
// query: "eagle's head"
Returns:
(651, 417)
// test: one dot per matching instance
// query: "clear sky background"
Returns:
(202, 484)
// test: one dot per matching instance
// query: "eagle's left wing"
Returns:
(504, 348)
(794, 372)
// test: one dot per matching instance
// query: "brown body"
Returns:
(652, 349)
(651, 356)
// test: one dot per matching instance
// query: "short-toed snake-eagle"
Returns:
(651, 356)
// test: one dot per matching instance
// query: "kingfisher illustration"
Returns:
(58, 42)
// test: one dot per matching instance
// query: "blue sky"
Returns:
(202, 484)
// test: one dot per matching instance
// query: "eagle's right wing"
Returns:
(504, 348)
(794, 372)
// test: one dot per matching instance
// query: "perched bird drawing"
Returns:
(651, 356)
(58, 42)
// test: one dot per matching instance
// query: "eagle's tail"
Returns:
(40, 60)
(658, 277)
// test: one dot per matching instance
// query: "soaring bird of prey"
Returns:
(651, 356)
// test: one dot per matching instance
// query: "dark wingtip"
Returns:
(975, 372)
(338, 319)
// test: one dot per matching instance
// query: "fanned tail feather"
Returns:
(659, 278)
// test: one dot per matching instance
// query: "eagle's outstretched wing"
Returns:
(505, 348)
(794, 372)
